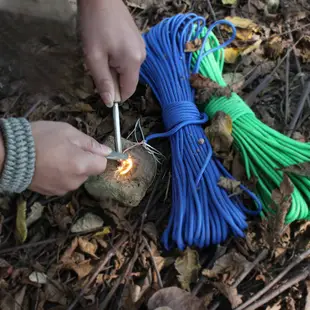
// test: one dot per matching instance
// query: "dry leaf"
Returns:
(219, 134)
(88, 247)
(229, 2)
(242, 23)
(14, 302)
(54, 292)
(86, 223)
(36, 212)
(69, 252)
(151, 230)
(175, 298)
(302, 169)
(209, 87)
(193, 46)
(21, 227)
(38, 277)
(82, 269)
(230, 293)
(274, 47)
(276, 306)
(188, 267)
(251, 48)
(308, 295)
(228, 267)
(274, 226)
(232, 186)
(231, 54)
(234, 80)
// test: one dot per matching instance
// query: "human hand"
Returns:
(65, 158)
(111, 41)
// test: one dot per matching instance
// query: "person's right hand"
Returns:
(65, 158)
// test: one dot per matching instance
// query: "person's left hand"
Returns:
(111, 41)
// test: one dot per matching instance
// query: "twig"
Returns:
(300, 277)
(99, 268)
(28, 245)
(302, 79)
(153, 262)
(252, 96)
(287, 89)
(298, 259)
(250, 267)
(128, 270)
(300, 107)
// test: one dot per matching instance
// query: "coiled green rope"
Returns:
(263, 149)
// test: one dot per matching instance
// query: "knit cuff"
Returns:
(19, 161)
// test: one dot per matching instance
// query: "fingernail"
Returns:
(106, 150)
(107, 98)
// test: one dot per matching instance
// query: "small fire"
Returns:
(125, 166)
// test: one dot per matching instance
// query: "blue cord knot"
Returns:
(178, 112)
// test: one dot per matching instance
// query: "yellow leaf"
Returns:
(105, 231)
(243, 23)
(21, 226)
(87, 247)
(231, 54)
(229, 2)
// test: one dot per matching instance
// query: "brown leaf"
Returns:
(302, 169)
(274, 226)
(69, 252)
(193, 46)
(230, 293)
(82, 269)
(13, 302)
(151, 230)
(232, 186)
(54, 292)
(206, 88)
(219, 134)
(228, 267)
(88, 247)
(175, 298)
(188, 267)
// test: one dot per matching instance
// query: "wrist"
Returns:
(19, 155)
(2, 153)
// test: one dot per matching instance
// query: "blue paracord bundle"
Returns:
(202, 212)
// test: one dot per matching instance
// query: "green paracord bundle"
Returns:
(263, 149)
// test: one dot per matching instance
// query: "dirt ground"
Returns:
(118, 261)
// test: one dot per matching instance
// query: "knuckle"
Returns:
(92, 144)
(78, 167)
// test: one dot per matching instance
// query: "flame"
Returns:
(125, 166)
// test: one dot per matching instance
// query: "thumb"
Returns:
(100, 70)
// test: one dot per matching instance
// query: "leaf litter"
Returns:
(63, 241)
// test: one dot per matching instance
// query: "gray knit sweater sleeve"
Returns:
(19, 163)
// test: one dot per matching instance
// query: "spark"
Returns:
(125, 166)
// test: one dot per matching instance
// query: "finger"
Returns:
(89, 144)
(89, 164)
(98, 64)
(129, 78)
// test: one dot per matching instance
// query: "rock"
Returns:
(127, 189)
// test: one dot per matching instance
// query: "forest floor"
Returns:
(114, 259)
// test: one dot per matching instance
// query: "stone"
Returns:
(128, 189)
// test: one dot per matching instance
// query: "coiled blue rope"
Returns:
(202, 212)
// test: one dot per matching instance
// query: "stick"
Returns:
(153, 262)
(287, 89)
(300, 277)
(249, 99)
(250, 267)
(298, 259)
(300, 107)
(99, 268)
